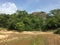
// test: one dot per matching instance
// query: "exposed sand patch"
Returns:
(3, 36)
(25, 32)
(36, 32)
(8, 32)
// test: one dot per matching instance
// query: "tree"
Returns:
(3, 20)
(55, 12)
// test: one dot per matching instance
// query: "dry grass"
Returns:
(30, 38)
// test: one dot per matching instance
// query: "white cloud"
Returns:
(8, 8)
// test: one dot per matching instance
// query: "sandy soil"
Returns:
(49, 37)
(36, 32)
(5, 34)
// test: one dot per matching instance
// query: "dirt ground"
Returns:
(5, 34)
(24, 38)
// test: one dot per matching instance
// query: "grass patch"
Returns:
(38, 40)
(3, 29)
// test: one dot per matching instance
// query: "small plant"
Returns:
(57, 31)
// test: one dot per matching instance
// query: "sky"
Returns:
(10, 6)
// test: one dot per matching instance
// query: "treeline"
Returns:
(36, 21)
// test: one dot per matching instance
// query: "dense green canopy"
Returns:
(22, 21)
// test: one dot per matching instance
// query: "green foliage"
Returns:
(57, 31)
(20, 26)
(55, 12)
(3, 20)
(22, 21)
(53, 20)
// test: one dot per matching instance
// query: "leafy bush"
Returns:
(20, 26)
(57, 31)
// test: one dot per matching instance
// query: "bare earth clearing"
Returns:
(28, 38)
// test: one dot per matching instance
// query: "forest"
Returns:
(35, 21)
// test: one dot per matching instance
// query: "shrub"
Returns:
(57, 31)
(11, 26)
(20, 26)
